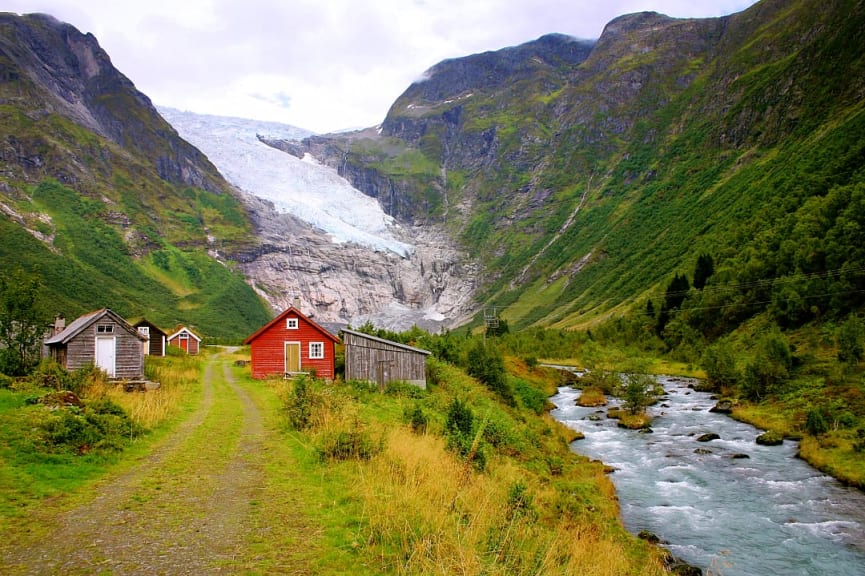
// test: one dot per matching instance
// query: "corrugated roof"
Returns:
(82, 322)
(383, 341)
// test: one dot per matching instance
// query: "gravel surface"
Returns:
(184, 510)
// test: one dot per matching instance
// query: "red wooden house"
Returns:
(186, 340)
(292, 344)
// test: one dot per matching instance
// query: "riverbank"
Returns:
(722, 502)
(839, 450)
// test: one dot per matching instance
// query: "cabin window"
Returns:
(316, 350)
(144, 330)
(291, 323)
(105, 328)
(183, 336)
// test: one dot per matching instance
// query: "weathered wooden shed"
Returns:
(186, 340)
(157, 339)
(292, 343)
(104, 339)
(381, 361)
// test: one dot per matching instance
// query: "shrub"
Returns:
(815, 424)
(355, 443)
(769, 370)
(101, 425)
(403, 389)
(486, 363)
(418, 420)
(530, 397)
(462, 436)
(637, 392)
(720, 365)
(850, 341)
(306, 403)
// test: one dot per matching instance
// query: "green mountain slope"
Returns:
(586, 182)
(100, 197)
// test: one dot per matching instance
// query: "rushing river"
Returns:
(767, 514)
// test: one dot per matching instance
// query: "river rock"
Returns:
(649, 537)
(703, 386)
(702, 451)
(722, 407)
(680, 567)
(770, 438)
(739, 456)
(708, 437)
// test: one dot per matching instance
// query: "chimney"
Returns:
(59, 324)
(297, 303)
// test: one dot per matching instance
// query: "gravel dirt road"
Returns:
(195, 505)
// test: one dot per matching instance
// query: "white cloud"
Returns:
(319, 65)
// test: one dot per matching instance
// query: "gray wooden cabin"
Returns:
(101, 338)
(381, 361)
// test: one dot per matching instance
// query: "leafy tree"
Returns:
(676, 292)
(815, 424)
(22, 322)
(770, 369)
(849, 338)
(486, 363)
(637, 392)
(460, 419)
(703, 270)
(720, 365)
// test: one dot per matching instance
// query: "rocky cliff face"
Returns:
(346, 283)
(355, 263)
(49, 67)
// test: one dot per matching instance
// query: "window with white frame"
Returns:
(291, 323)
(316, 350)
(144, 330)
(105, 328)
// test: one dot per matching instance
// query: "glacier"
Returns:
(305, 188)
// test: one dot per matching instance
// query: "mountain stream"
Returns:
(710, 504)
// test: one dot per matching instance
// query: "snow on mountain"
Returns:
(305, 188)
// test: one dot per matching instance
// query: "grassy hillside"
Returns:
(451, 480)
(86, 263)
(585, 187)
(102, 203)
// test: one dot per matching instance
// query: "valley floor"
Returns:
(199, 504)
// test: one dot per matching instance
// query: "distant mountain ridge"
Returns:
(559, 182)
(586, 184)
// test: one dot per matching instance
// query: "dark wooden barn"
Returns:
(381, 361)
(292, 344)
(101, 338)
(157, 339)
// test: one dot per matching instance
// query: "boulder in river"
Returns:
(722, 407)
(770, 438)
(739, 456)
(708, 437)
(702, 451)
(649, 537)
(679, 567)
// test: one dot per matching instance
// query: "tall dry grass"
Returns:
(177, 376)
(426, 516)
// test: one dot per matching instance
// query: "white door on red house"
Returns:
(105, 354)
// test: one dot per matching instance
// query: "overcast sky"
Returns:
(323, 65)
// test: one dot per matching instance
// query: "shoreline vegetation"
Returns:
(470, 476)
(835, 451)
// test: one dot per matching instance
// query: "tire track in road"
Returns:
(186, 509)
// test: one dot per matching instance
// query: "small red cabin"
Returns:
(186, 340)
(292, 344)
